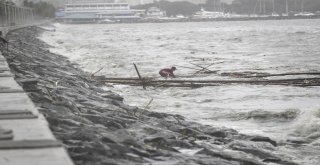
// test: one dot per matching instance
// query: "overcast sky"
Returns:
(193, 1)
(131, 2)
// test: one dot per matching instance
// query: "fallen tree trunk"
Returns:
(202, 83)
(211, 81)
(284, 74)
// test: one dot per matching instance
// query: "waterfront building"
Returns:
(95, 11)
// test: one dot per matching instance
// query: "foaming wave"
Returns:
(300, 32)
(234, 39)
(308, 127)
(286, 115)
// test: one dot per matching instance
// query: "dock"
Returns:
(25, 137)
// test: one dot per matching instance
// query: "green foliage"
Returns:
(42, 9)
(1, 9)
(28, 4)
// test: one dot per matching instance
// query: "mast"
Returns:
(273, 7)
(222, 7)
(287, 8)
(260, 7)
(264, 6)
(216, 5)
(302, 6)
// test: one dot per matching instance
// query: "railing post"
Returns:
(20, 14)
(5, 13)
(8, 13)
(12, 15)
(24, 15)
(32, 17)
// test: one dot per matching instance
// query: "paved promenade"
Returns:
(25, 138)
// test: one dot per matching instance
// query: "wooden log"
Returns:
(122, 82)
(202, 68)
(191, 83)
(186, 67)
(211, 81)
(119, 78)
(135, 66)
(178, 85)
(285, 74)
(239, 81)
(96, 72)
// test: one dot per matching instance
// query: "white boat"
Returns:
(274, 14)
(180, 16)
(202, 14)
(106, 21)
(304, 14)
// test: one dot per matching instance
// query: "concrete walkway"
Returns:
(25, 138)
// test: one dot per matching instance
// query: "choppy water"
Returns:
(280, 112)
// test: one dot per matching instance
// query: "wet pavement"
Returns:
(25, 137)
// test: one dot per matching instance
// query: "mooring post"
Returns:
(135, 66)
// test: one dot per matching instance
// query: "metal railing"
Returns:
(11, 15)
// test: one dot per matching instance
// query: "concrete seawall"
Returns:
(25, 137)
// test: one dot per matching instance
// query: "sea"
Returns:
(284, 113)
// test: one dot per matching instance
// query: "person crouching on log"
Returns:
(167, 72)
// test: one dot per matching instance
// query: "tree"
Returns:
(312, 5)
(42, 9)
(253, 6)
(2, 4)
(173, 8)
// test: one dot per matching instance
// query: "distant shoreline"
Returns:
(200, 20)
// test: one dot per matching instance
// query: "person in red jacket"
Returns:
(167, 72)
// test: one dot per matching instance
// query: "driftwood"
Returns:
(201, 83)
(96, 72)
(140, 78)
(205, 68)
(284, 74)
(199, 69)
(187, 67)
(264, 74)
